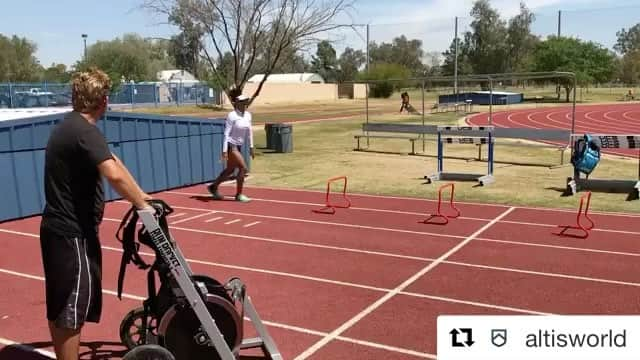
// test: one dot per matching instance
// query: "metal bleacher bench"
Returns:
(556, 138)
(412, 134)
(412, 139)
(467, 105)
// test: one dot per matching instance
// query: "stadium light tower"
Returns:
(84, 37)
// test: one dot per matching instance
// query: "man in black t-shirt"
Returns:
(77, 157)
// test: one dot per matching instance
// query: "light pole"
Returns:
(366, 99)
(455, 66)
(84, 37)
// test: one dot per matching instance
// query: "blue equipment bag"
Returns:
(586, 154)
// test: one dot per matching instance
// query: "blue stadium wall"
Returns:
(481, 98)
(160, 152)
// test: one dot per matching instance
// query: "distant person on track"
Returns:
(405, 102)
(406, 105)
(237, 129)
(76, 158)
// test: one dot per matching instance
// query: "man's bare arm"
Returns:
(128, 175)
(122, 181)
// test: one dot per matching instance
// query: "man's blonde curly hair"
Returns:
(88, 89)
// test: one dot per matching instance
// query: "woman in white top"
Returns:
(237, 129)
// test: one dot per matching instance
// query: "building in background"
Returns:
(295, 88)
(294, 78)
(178, 84)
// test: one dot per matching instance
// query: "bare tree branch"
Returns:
(257, 33)
(221, 80)
(256, 37)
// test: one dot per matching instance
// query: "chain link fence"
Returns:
(29, 95)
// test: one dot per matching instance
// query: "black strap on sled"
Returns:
(128, 238)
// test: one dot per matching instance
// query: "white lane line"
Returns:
(540, 273)
(535, 208)
(399, 256)
(541, 224)
(473, 303)
(177, 215)
(232, 221)
(214, 219)
(316, 279)
(193, 217)
(327, 223)
(40, 278)
(266, 322)
(556, 225)
(387, 347)
(348, 324)
(352, 208)
(252, 224)
(350, 340)
(608, 252)
(368, 252)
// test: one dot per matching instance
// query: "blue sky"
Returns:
(56, 26)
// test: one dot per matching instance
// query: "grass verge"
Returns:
(524, 175)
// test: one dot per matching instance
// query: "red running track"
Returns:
(373, 272)
(600, 119)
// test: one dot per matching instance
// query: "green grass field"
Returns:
(524, 175)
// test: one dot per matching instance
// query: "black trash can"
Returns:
(283, 138)
(269, 131)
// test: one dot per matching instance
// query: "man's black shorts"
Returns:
(73, 274)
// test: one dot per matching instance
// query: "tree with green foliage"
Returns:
(591, 62)
(325, 62)
(382, 73)
(401, 51)
(57, 73)
(350, 62)
(628, 40)
(485, 45)
(17, 60)
(493, 45)
(520, 41)
(464, 64)
(185, 46)
(130, 58)
(628, 45)
(630, 68)
(293, 63)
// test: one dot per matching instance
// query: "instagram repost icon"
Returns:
(499, 337)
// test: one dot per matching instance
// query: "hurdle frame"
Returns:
(577, 183)
(579, 224)
(464, 135)
(330, 208)
(439, 213)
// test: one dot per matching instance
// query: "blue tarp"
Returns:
(482, 98)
